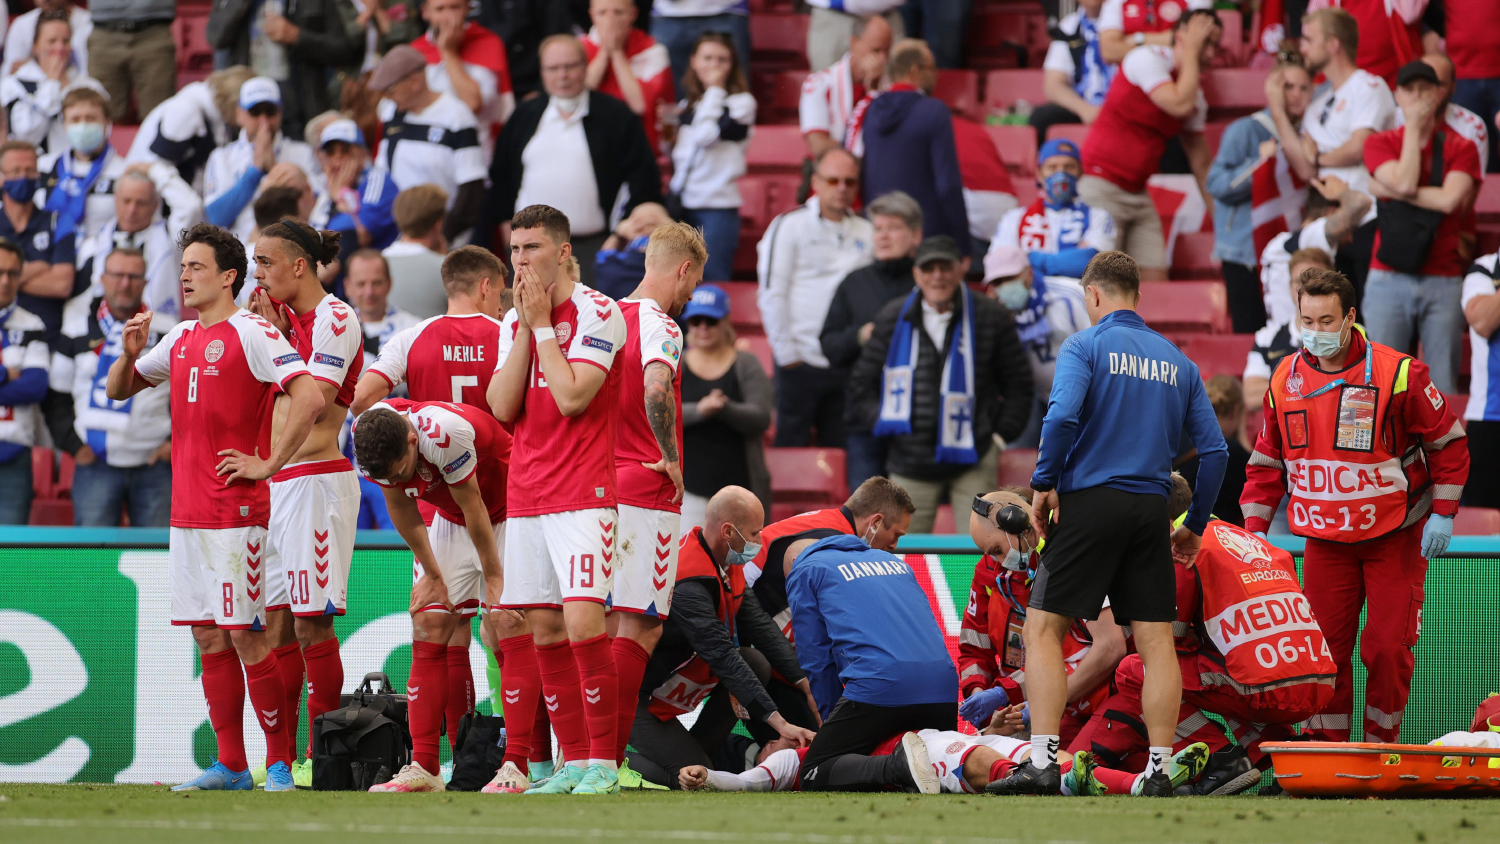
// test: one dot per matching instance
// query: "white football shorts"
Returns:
(458, 560)
(559, 557)
(647, 561)
(217, 576)
(314, 513)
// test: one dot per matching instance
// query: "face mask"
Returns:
(86, 137)
(869, 537)
(1015, 560)
(1059, 189)
(1014, 295)
(743, 557)
(570, 104)
(1323, 344)
(21, 190)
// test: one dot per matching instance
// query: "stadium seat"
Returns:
(1006, 35)
(194, 53)
(959, 90)
(1193, 256)
(1487, 202)
(1017, 146)
(759, 346)
(1075, 132)
(1235, 91)
(1185, 306)
(1218, 354)
(744, 312)
(778, 41)
(1016, 467)
(1002, 88)
(41, 472)
(944, 521)
(805, 479)
(777, 95)
(1476, 521)
(765, 196)
(775, 149)
(121, 136)
(1214, 133)
(52, 501)
(1232, 41)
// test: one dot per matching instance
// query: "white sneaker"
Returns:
(508, 780)
(411, 778)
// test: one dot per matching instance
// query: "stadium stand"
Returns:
(805, 479)
(1185, 306)
(1004, 88)
(1017, 146)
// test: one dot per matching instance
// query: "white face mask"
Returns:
(869, 537)
(569, 104)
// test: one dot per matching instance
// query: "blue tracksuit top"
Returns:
(864, 628)
(1121, 400)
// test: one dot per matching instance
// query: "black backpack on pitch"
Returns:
(481, 750)
(363, 743)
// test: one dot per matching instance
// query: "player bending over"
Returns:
(225, 368)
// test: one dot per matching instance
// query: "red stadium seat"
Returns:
(1487, 202)
(765, 196)
(1185, 306)
(744, 311)
(775, 149)
(1075, 132)
(944, 521)
(121, 136)
(52, 502)
(1002, 88)
(1218, 354)
(1017, 146)
(1476, 521)
(777, 96)
(1193, 256)
(194, 53)
(1214, 133)
(778, 41)
(41, 472)
(1006, 35)
(1017, 466)
(759, 346)
(959, 90)
(1235, 90)
(1232, 42)
(806, 479)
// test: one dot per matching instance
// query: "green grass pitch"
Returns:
(86, 814)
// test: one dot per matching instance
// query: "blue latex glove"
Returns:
(1437, 535)
(981, 705)
(1026, 715)
(1038, 263)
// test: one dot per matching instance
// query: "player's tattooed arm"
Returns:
(661, 414)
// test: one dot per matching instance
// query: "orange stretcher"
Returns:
(1354, 769)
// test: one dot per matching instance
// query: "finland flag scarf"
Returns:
(956, 399)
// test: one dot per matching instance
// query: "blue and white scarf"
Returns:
(956, 400)
(1094, 75)
(103, 414)
(68, 199)
(1031, 321)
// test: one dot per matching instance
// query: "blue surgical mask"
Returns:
(21, 190)
(740, 558)
(1059, 189)
(1323, 344)
(1014, 294)
(86, 137)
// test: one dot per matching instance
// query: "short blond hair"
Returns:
(1337, 23)
(419, 209)
(673, 243)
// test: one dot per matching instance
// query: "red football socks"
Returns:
(224, 689)
(426, 694)
(630, 664)
(1118, 782)
(541, 726)
(460, 692)
(601, 693)
(520, 687)
(563, 699)
(1000, 769)
(325, 682)
(268, 697)
(290, 666)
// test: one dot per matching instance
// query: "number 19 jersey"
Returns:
(444, 358)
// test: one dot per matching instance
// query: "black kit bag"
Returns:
(481, 750)
(363, 743)
(1406, 231)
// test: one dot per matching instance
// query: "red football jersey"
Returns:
(444, 358)
(453, 442)
(564, 463)
(224, 383)
(650, 335)
(331, 344)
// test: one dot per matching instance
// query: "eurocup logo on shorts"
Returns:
(1249, 549)
(213, 351)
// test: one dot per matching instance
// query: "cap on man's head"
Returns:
(1058, 146)
(397, 64)
(709, 300)
(258, 90)
(1004, 262)
(1416, 71)
(344, 130)
(940, 248)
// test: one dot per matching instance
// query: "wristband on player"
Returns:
(543, 333)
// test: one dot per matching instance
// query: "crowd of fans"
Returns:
(413, 128)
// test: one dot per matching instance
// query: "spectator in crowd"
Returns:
(833, 23)
(1156, 96)
(286, 197)
(897, 221)
(676, 24)
(1481, 301)
(133, 53)
(941, 23)
(1390, 32)
(430, 138)
(1075, 76)
(312, 135)
(717, 114)
(417, 256)
(830, 95)
(47, 274)
(1228, 398)
(909, 145)
(1353, 106)
(944, 380)
(726, 409)
(1124, 26)
(1249, 144)
(622, 260)
(123, 448)
(21, 36)
(1471, 46)
(1410, 292)
(297, 50)
(1058, 233)
(1281, 338)
(32, 95)
(804, 255)
(579, 151)
(235, 171)
(629, 65)
(989, 193)
(359, 196)
(387, 23)
(1455, 118)
(24, 364)
(187, 127)
(133, 225)
(523, 25)
(468, 61)
(80, 178)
